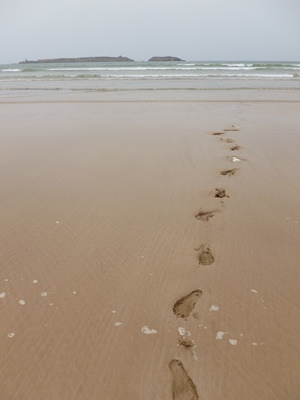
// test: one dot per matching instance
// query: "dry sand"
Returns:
(102, 295)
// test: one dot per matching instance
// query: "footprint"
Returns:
(229, 172)
(183, 388)
(184, 306)
(205, 215)
(220, 193)
(229, 140)
(218, 133)
(232, 129)
(205, 257)
(235, 148)
(186, 343)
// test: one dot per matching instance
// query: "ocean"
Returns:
(151, 75)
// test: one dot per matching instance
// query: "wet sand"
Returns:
(122, 275)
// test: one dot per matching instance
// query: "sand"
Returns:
(102, 295)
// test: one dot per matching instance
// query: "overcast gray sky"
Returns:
(139, 29)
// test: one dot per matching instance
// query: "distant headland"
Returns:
(79, 59)
(94, 59)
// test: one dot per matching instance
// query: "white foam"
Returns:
(2, 295)
(238, 65)
(235, 159)
(214, 308)
(118, 323)
(44, 294)
(10, 335)
(220, 335)
(254, 344)
(74, 292)
(253, 291)
(233, 342)
(22, 302)
(35, 281)
(148, 331)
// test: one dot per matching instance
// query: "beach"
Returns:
(122, 275)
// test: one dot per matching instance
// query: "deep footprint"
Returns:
(218, 133)
(205, 257)
(183, 388)
(186, 343)
(229, 172)
(184, 306)
(235, 148)
(220, 193)
(205, 215)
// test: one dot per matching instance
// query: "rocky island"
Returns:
(80, 59)
(166, 58)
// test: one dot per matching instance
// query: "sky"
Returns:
(204, 30)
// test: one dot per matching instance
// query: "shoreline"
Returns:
(65, 95)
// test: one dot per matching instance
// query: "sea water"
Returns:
(192, 75)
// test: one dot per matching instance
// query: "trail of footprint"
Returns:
(206, 257)
(229, 172)
(183, 388)
(205, 215)
(184, 306)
